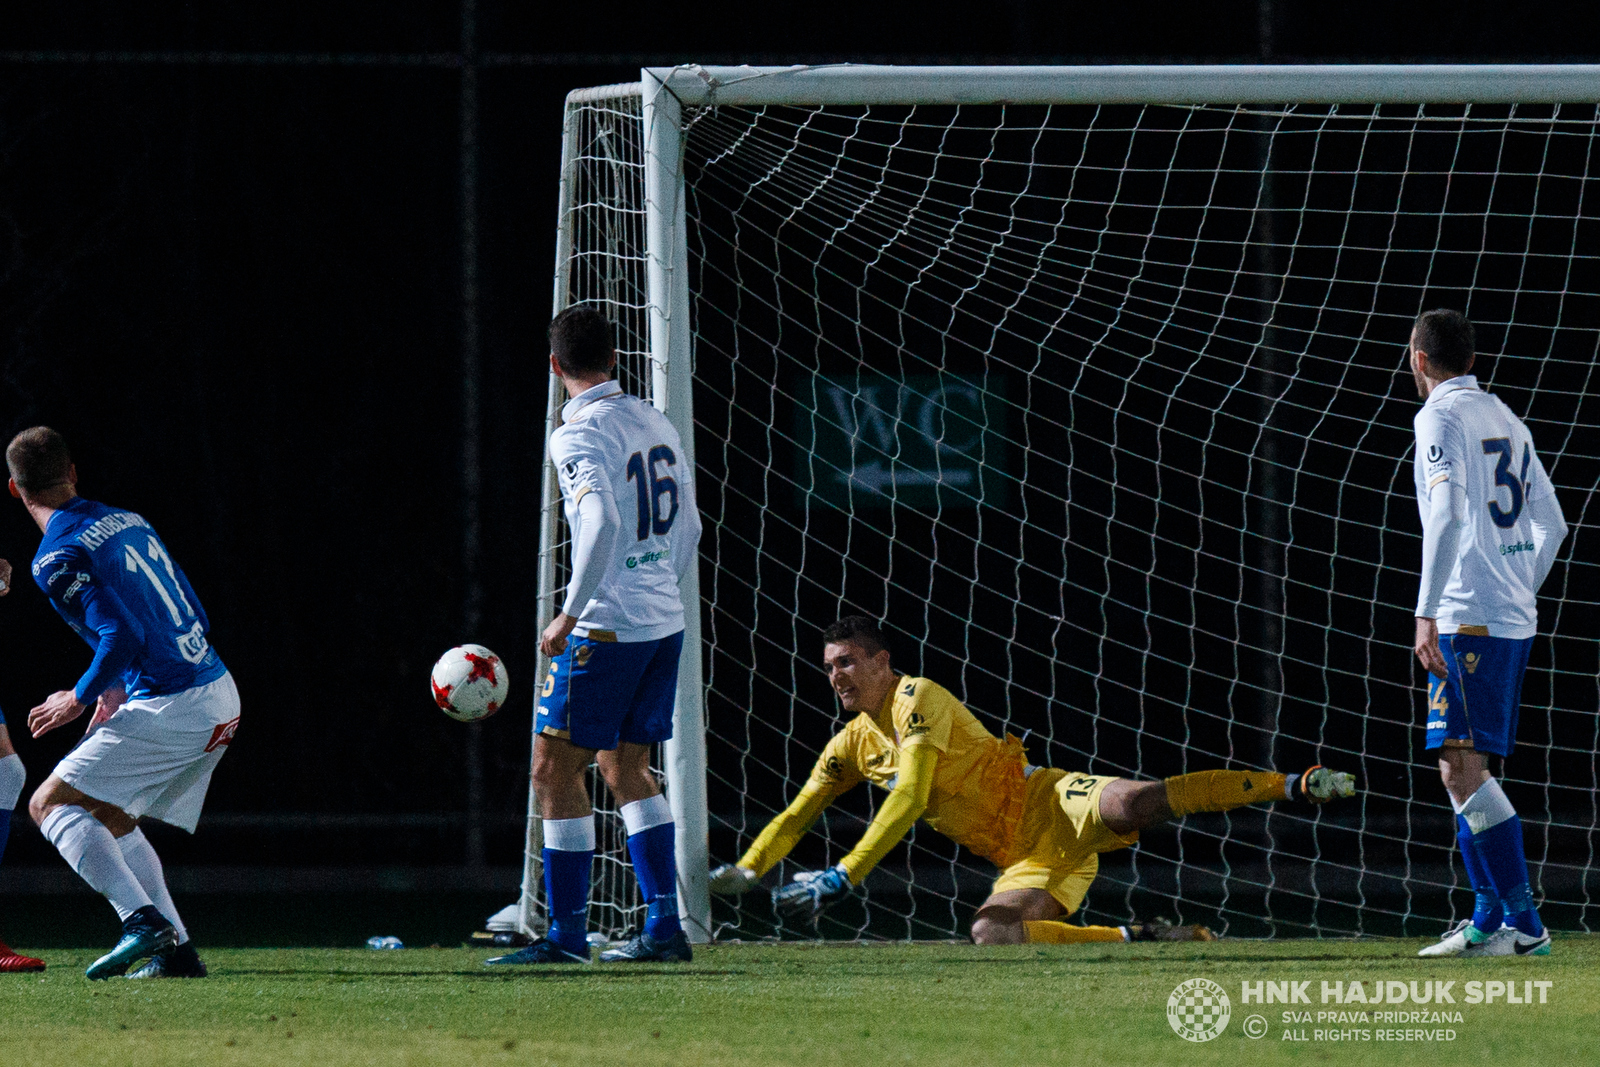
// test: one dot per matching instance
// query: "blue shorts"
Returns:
(601, 692)
(1480, 699)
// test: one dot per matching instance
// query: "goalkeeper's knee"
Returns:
(1222, 790)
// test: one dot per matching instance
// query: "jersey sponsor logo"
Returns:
(193, 646)
(78, 583)
(45, 560)
(832, 769)
(1435, 453)
(1515, 547)
(910, 690)
(649, 557)
(108, 527)
(916, 725)
(222, 736)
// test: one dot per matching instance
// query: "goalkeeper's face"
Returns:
(861, 679)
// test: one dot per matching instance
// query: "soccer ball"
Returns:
(470, 683)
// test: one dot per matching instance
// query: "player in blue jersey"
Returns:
(12, 778)
(629, 497)
(165, 708)
(1491, 526)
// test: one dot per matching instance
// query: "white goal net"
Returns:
(1101, 408)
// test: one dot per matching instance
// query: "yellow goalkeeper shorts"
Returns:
(1062, 821)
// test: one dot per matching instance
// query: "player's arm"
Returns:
(593, 544)
(118, 640)
(1444, 516)
(1549, 524)
(686, 529)
(812, 891)
(903, 807)
(5, 577)
(776, 840)
(834, 775)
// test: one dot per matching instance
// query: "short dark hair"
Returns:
(39, 459)
(580, 339)
(860, 630)
(1448, 338)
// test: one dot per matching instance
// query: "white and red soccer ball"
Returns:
(470, 683)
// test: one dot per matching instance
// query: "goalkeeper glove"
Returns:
(731, 880)
(811, 892)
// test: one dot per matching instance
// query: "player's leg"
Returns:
(579, 711)
(1010, 916)
(1128, 806)
(652, 835)
(1490, 833)
(559, 782)
(1471, 714)
(183, 961)
(1033, 896)
(85, 831)
(13, 776)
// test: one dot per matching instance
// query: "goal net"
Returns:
(1097, 398)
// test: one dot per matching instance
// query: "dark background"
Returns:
(266, 267)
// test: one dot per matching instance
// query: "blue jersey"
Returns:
(108, 574)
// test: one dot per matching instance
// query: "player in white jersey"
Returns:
(628, 492)
(1491, 526)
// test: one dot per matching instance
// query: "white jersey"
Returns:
(610, 442)
(1471, 439)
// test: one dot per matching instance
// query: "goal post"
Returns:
(1085, 380)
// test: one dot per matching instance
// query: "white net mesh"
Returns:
(1102, 411)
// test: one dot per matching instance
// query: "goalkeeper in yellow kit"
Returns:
(1044, 828)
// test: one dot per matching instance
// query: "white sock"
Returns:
(89, 849)
(142, 860)
(646, 814)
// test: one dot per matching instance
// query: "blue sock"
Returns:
(653, 849)
(566, 886)
(1507, 863)
(1487, 914)
(568, 857)
(656, 865)
(5, 831)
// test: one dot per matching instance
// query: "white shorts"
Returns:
(155, 755)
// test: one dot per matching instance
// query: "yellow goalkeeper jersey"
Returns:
(978, 786)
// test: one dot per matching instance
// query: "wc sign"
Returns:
(926, 441)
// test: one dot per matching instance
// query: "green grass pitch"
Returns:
(749, 1005)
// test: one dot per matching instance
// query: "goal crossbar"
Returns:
(1367, 83)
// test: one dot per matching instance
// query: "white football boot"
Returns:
(1509, 941)
(1462, 939)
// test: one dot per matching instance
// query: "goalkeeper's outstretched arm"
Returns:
(812, 891)
(904, 805)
